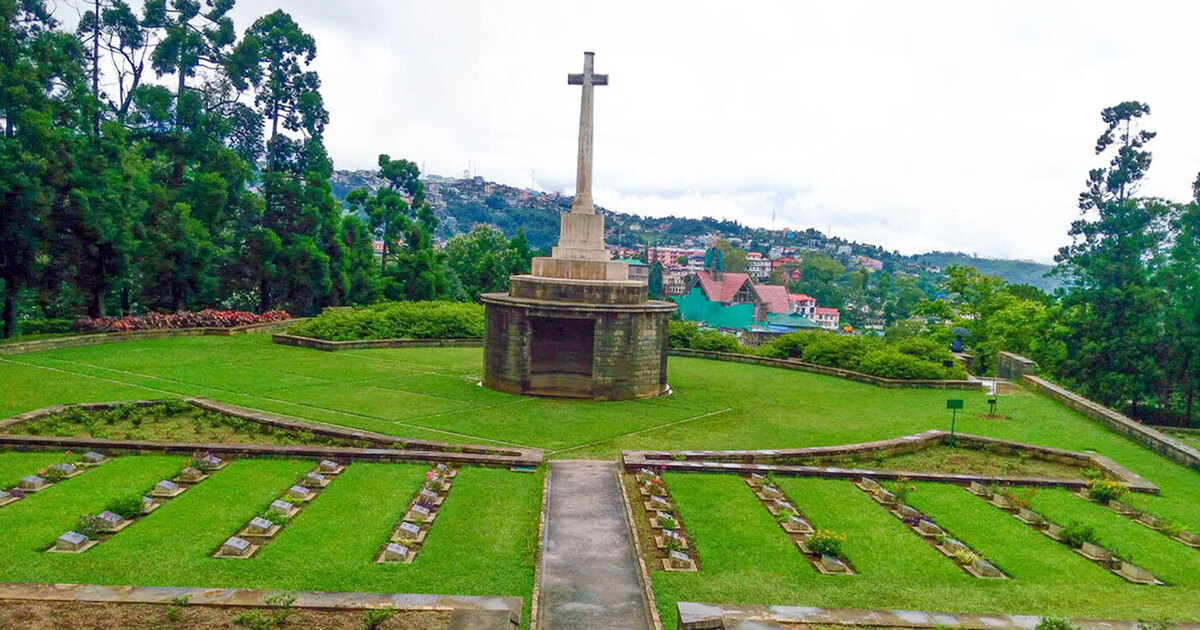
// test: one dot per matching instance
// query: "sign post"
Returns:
(953, 404)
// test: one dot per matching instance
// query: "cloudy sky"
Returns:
(912, 125)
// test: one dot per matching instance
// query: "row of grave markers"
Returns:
(408, 537)
(667, 527)
(62, 470)
(967, 559)
(1105, 558)
(259, 531)
(1191, 539)
(797, 527)
(109, 523)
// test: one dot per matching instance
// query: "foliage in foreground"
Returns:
(396, 320)
(206, 318)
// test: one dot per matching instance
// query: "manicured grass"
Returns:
(746, 558)
(481, 543)
(13, 466)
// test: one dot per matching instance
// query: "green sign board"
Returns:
(954, 403)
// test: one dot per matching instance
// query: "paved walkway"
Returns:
(590, 579)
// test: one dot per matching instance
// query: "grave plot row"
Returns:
(408, 537)
(262, 528)
(822, 548)
(893, 500)
(93, 529)
(1073, 537)
(49, 476)
(1107, 493)
(672, 548)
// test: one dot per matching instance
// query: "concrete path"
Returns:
(590, 579)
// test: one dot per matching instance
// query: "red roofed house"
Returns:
(827, 318)
(737, 288)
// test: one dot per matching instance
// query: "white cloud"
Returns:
(914, 125)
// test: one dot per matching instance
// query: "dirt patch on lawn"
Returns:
(97, 616)
(971, 461)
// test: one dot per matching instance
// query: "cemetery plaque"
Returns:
(929, 528)
(411, 529)
(67, 469)
(797, 525)
(314, 480)
(952, 546)
(430, 496)
(670, 533)
(71, 541)
(886, 497)
(109, 521)
(757, 479)
(1030, 517)
(31, 483)
(299, 493)
(1136, 574)
(979, 489)
(192, 474)
(1054, 531)
(235, 546)
(771, 492)
(870, 485)
(1001, 501)
(281, 507)
(985, 569)
(1151, 521)
(679, 560)
(329, 466)
(421, 512)
(1095, 552)
(5, 497)
(832, 564)
(659, 503)
(259, 526)
(395, 553)
(780, 505)
(166, 488)
(148, 505)
(1189, 538)
(92, 457)
(908, 511)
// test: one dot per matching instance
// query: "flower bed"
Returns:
(166, 321)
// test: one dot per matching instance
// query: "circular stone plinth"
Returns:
(576, 349)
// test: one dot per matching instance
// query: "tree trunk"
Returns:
(125, 300)
(96, 73)
(10, 310)
(1191, 394)
(264, 296)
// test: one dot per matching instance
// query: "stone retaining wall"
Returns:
(284, 339)
(477, 613)
(697, 616)
(1152, 439)
(78, 341)
(792, 364)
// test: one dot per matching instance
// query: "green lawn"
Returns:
(746, 558)
(480, 543)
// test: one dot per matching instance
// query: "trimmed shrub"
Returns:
(396, 320)
(789, 346)
(690, 335)
(892, 364)
(840, 351)
(44, 326)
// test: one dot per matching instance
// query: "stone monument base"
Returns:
(566, 338)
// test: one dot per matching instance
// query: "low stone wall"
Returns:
(1013, 366)
(386, 447)
(697, 616)
(1152, 439)
(481, 613)
(785, 461)
(78, 341)
(792, 364)
(284, 339)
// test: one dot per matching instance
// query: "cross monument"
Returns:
(583, 175)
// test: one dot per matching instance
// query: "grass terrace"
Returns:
(482, 542)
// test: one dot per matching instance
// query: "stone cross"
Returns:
(583, 174)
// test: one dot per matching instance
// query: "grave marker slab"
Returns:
(1151, 521)
(109, 521)
(213, 462)
(71, 542)
(166, 488)
(191, 474)
(395, 552)
(1053, 531)
(149, 505)
(66, 468)
(282, 508)
(93, 458)
(236, 547)
(32, 483)
(1001, 501)
(1189, 538)
(409, 533)
(329, 467)
(1136, 574)
(657, 502)
(886, 497)
(984, 569)
(779, 506)
(907, 511)
(299, 493)
(1123, 509)
(446, 471)
(929, 528)
(419, 513)
(6, 498)
(1030, 517)
(951, 546)
(979, 489)
(259, 526)
(771, 492)
(430, 496)
(796, 525)
(756, 480)
(314, 480)
(832, 565)
(870, 485)
(1095, 552)
(678, 561)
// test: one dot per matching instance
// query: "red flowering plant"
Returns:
(902, 488)
(207, 318)
(1019, 498)
(654, 486)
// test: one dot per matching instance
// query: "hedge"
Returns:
(396, 320)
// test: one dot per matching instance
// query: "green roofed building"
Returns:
(695, 307)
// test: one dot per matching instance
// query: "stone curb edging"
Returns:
(412, 450)
(285, 339)
(495, 613)
(1127, 427)
(745, 462)
(699, 616)
(537, 556)
(792, 364)
(95, 339)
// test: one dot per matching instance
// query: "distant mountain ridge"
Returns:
(460, 203)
